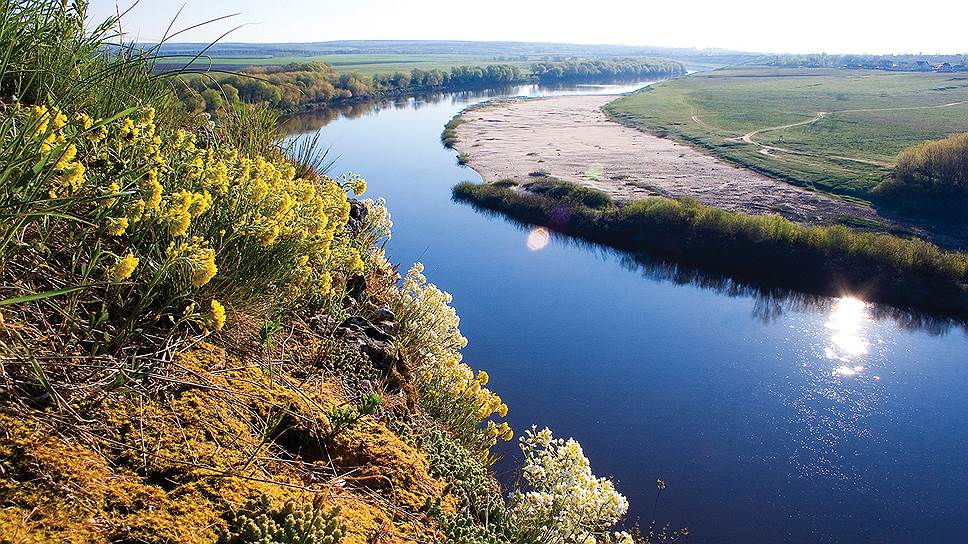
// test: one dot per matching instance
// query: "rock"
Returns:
(357, 220)
(371, 341)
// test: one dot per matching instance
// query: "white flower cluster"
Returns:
(565, 503)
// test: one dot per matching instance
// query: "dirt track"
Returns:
(571, 139)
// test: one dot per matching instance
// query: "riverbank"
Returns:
(570, 138)
(827, 260)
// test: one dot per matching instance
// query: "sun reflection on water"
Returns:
(847, 324)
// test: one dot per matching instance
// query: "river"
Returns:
(772, 416)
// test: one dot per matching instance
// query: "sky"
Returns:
(781, 26)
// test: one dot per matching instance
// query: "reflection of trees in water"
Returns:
(313, 120)
(770, 302)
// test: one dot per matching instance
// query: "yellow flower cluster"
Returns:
(197, 258)
(49, 128)
(124, 267)
(149, 189)
(430, 324)
(216, 317)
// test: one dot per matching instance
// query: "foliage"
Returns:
(257, 522)
(822, 258)
(133, 231)
(893, 63)
(449, 459)
(563, 502)
(346, 416)
(449, 389)
(176, 228)
(449, 136)
(603, 70)
(933, 170)
(297, 85)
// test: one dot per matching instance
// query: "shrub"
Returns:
(563, 501)
(910, 271)
(942, 164)
(932, 171)
(449, 389)
(154, 225)
(257, 522)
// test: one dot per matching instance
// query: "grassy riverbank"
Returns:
(834, 130)
(822, 259)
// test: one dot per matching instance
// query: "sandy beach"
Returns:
(572, 139)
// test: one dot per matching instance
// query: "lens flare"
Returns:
(538, 238)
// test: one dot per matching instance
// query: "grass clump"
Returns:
(819, 258)
(449, 136)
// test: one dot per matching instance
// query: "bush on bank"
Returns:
(825, 258)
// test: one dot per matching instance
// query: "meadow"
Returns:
(362, 63)
(835, 130)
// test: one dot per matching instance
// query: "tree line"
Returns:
(297, 86)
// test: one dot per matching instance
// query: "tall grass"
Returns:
(128, 222)
(820, 258)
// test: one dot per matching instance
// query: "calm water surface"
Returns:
(772, 417)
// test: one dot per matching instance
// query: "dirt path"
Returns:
(571, 138)
(769, 150)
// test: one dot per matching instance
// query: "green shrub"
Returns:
(258, 522)
(935, 172)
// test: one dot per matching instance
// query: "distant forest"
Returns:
(300, 86)
(893, 63)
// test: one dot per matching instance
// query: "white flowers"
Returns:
(564, 502)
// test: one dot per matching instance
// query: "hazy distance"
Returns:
(832, 26)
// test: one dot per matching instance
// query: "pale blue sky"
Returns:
(836, 26)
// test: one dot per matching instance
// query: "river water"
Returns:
(772, 416)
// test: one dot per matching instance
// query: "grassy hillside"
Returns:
(202, 341)
(836, 130)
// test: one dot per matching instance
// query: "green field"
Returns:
(366, 64)
(836, 130)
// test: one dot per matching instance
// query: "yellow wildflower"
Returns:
(129, 131)
(269, 235)
(66, 157)
(136, 210)
(117, 226)
(358, 186)
(178, 223)
(201, 202)
(124, 267)
(84, 121)
(156, 190)
(216, 317)
(203, 267)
